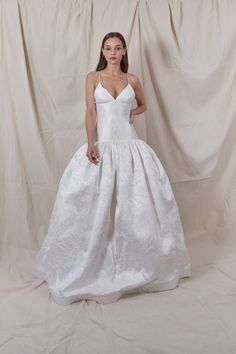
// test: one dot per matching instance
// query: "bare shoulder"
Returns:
(91, 76)
(137, 87)
(134, 80)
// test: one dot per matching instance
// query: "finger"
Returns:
(96, 156)
(94, 160)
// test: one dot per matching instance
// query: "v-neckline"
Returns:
(111, 94)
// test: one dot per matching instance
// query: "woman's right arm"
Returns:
(90, 118)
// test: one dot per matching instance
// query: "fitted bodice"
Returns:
(113, 114)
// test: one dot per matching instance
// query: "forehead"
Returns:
(114, 41)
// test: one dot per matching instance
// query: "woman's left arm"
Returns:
(139, 96)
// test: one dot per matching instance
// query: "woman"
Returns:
(115, 227)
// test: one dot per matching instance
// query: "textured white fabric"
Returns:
(115, 227)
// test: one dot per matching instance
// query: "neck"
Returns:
(113, 70)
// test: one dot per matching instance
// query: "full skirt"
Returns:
(114, 229)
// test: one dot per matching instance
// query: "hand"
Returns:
(131, 120)
(92, 154)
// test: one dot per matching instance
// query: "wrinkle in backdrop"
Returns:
(184, 54)
(187, 67)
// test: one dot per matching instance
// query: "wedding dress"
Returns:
(115, 228)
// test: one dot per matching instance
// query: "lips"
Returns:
(113, 58)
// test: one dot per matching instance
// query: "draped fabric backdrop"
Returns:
(184, 52)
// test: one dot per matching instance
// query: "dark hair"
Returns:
(124, 64)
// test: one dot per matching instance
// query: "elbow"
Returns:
(90, 114)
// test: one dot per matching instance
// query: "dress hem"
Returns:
(149, 287)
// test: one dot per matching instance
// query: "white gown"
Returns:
(115, 227)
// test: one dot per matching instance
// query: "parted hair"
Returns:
(102, 63)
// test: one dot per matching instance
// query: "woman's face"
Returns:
(113, 50)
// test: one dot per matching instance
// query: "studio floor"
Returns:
(198, 317)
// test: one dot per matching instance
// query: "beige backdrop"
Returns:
(184, 53)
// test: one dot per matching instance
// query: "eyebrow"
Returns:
(108, 45)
